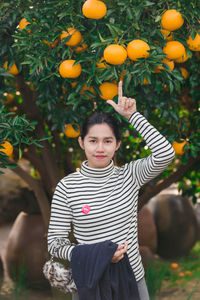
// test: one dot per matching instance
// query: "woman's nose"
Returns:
(100, 147)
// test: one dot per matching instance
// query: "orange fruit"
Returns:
(94, 9)
(102, 65)
(174, 266)
(68, 70)
(174, 50)
(75, 38)
(63, 88)
(145, 81)
(8, 148)
(74, 84)
(23, 23)
(182, 59)
(108, 90)
(171, 20)
(9, 98)
(122, 75)
(13, 109)
(184, 73)
(86, 88)
(188, 273)
(181, 274)
(166, 61)
(194, 45)
(72, 130)
(115, 54)
(13, 70)
(137, 49)
(167, 35)
(81, 48)
(178, 147)
(53, 44)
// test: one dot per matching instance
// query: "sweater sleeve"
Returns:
(60, 223)
(162, 154)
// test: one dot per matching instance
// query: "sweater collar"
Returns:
(97, 173)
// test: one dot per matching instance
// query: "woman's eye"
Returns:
(92, 141)
(108, 141)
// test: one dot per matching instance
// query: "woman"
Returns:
(101, 199)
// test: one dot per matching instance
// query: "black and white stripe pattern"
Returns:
(111, 194)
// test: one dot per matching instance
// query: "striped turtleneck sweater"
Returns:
(102, 203)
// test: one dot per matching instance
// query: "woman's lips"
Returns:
(99, 156)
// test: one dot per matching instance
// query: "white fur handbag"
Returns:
(58, 275)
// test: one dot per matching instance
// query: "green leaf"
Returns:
(114, 30)
(158, 18)
(76, 104)
(101, 38)
(193, 34)
(38, 144)
(148, 3)
(44, 138)
(20, 153)
(12, 166)
(171, 87)
(97, 44)
(129, 12)
(63, 14)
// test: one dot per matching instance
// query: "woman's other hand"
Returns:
(125, 106)
(119, 253)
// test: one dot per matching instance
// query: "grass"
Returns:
(160, 272)
(21, 288)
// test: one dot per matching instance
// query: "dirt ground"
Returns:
(189, 292)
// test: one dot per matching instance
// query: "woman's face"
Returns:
(99, 145)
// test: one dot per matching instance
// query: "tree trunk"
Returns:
(33, 113)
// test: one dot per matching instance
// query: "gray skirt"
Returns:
(142, 289)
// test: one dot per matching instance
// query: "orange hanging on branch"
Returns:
(8, 148)
(115, 54)
(67, 69)
(172, 20)
(138, 49)
(94, 9)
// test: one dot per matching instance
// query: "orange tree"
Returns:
(61, 60)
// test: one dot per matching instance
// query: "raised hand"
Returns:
(125, 106)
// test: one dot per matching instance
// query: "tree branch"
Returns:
(153, 191)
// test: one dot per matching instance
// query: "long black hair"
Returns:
(100, 118)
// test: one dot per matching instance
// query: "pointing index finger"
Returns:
(120, 90)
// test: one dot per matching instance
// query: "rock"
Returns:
(15, 196)
(147, 233)
(147, 256)
(1, 271)
(176, 225)
(26, 250)
(197, 212)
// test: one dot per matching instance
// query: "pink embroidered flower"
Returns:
(85, 209)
